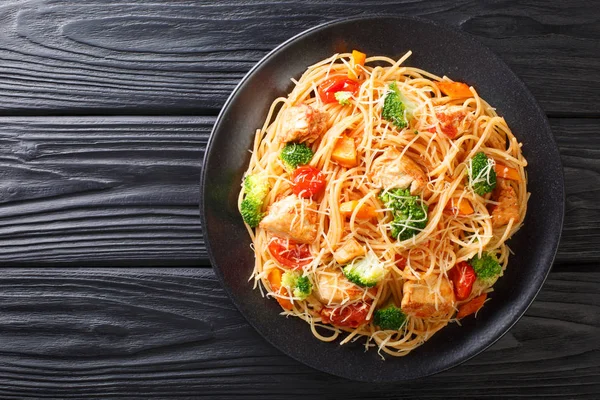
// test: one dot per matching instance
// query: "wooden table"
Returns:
(106, 291)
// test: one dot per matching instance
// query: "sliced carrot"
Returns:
(454, 89)
(471, 307)
(463, 206)
(506, 172)
(357, 59)
(344, 152)
(274, 278)
(364, 212)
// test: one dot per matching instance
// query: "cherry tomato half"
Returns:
(308, 181)
(463, 276)
(353, 315)
(329, 87)
(290, 254)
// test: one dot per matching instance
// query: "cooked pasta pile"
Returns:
(379, 199)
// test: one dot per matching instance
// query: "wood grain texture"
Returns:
(157, 333)
(119, 191)
(101, 191)
(185, 57)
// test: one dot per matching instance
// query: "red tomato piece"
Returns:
(308, 181)
(353, 315)
(400, 262)
(329, 87)
(289, 253)
(449, 122)
(463, 276)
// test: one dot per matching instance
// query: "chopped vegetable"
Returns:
(329, 87)
(506, 172)
(352, 315)
(471, 307)
(397, 108)
(296, 154)
(290, 254)
(274, 279)
(357, 59)
(454, 89)
(482, 177)
(344, 152)
(463, 276)
(256, 188)
(343, 97)
(300, 285)
(389, 318)
(410, 213)
(308, 182)
(364, 212)
(365, 271)
(487, 268)
(462, 206)
(400, 261)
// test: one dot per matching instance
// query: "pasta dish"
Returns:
(379, 198)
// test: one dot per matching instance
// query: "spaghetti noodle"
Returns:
(379, 199)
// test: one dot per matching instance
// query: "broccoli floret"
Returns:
(410, 213)
(365, 271)
(486, 266)
(295, 154)
(256, 188)
(397, 108)
(343, 97)
(482, 177)
(389, 318)
(300, 285)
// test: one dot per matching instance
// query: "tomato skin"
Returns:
(353, 315)
(289, 253)
(308, 181)
(463, 276)
(400, 261)
(329, 87)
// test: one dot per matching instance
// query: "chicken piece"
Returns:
(348, 252)
(302, 123)
(420, 298)
(333, 288)
(508, 206)
(453, 120)
(391, 171)
(293, 218)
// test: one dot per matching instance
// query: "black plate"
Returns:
(437, 49)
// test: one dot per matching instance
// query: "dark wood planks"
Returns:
(129, 333)
(118, 191)
(184, 57)
(101, 190)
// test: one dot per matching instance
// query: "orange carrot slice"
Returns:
(454, 89)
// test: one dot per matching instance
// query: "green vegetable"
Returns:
(256, 188)
(365, 271)
(482, 177)
(300, 285)
(389, 318)
(295, 154)
(410, 213)
(397, 108)
(343, 97)
(487, 268)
